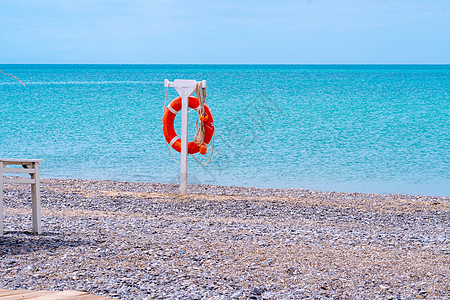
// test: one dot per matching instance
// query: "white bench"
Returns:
(31, 167)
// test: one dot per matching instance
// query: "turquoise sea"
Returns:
(351, 128)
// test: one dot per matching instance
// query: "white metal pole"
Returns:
(184, 89)
(184, 139)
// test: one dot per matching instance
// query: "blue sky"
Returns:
(227, 31)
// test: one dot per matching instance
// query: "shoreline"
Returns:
(136, 240)
(173, 188)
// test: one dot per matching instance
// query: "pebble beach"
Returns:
(130, 240)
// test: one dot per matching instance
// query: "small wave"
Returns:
(82, 82)
(10, 83)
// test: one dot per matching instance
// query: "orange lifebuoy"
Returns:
(169, 131)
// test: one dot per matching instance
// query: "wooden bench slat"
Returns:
(19, 161)
(19, 170)
(62, 295)
(16, 163)
(4, 293)
(19, 180)
(26, 294)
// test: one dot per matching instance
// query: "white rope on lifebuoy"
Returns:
(175, 138)
(171, 109)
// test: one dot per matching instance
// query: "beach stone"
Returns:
(257, 291)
